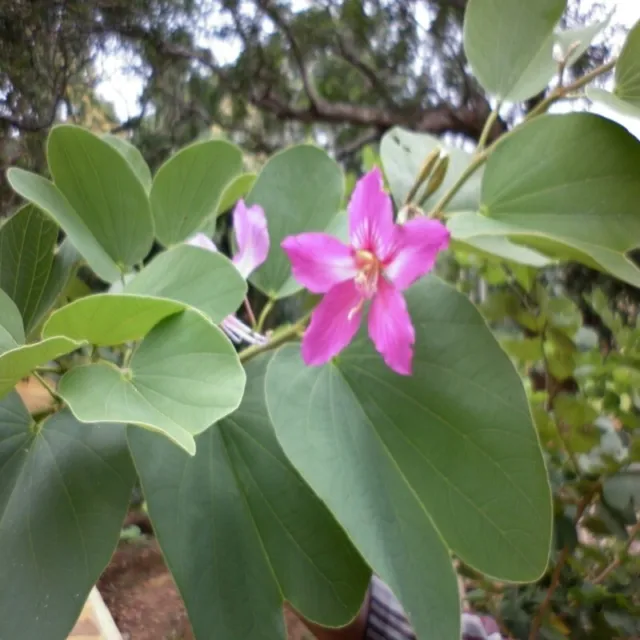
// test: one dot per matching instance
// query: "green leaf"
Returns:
(579, 204)
(195, 277)
(238, 188)
(524, 349)
(573, 43)
(47, 196)
(189, 186)
(622, 491)
(64, 492)
(450, 451)
(403, 153)
(133, 156)
(509, 45)
(18, 360)
(104, 191)
(300, 189)
(500, 247)
(247, 507)
(625, 98)
(27, 241)
(109, 319)
(184, 376)
(11, 329)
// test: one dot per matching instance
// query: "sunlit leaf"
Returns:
(133, 157)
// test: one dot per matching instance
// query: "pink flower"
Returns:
(252, 237)
(383, 260)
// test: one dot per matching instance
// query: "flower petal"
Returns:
(319, 261)
(417, 245)
(371, 225)
(252, 236)
(391, 329)
(202, 241)
(334, 322)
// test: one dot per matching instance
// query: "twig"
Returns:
(557, 570)
(482, 157)
(488, 125)
(618, 561)
(278, 339)
(52, 392)
(252, 317)
(264, 314)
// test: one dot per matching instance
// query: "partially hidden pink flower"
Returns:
(382, 260)
(252, 239)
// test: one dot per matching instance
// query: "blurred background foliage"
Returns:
(267, 73)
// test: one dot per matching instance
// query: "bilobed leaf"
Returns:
(248, 507)
(445, 458)
(573, 43)
(403, 153)
(625, 98)
(133, 156)
(17, 359)
(193, 276)
(64, 492)
(509, 45)
(188, 187)
(107, 319)
(27, 241)
(184, 376)
(580, 204)
(46, 196)
(300, 189)
(104, 191)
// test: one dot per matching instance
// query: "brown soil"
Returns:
(144, 601)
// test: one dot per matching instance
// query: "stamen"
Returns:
(355, 310)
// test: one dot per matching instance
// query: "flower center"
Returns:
(369, 270)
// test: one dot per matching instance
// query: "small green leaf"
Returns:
(523, 349)
(188, 187)
(64, 493)
(625, 98)
(133, 156)
(300, 189)
(47, 196)
(18, 360)
(236, 189)
(184, 376)
(193, 276)
(509, 44)
(109, 319)
(104, 191)
(450, 451)
(501, 247)
(27, 241)
(248, 507)
(573, 43)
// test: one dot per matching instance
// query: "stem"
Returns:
(47, 386)
(266, 310)
(280, 338)
(557, 570)
(618, 561)
(249, 310)
(55, 370)
(481, 158)
(488, 125)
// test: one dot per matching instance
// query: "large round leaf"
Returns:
(109, 319)
(247, 508)
(184, 376)
(64, 491)
(584, 197)
(450, 451)
(188, 187)
(104, 191)
(46, 196)
(300, 190)
(193, 276)
(17, 359)
(27, 241)
(509, 44)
